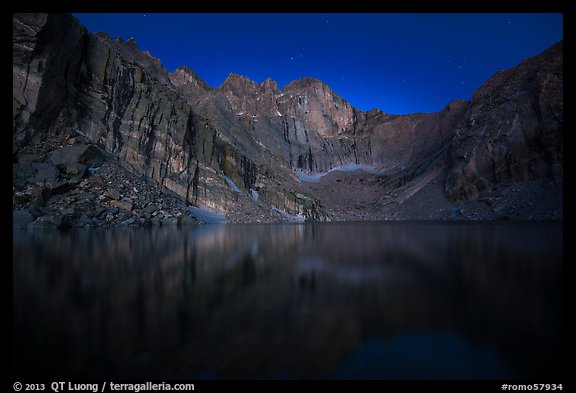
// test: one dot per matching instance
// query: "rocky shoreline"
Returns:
(67, 182)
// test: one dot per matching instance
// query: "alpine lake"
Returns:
(380, 300)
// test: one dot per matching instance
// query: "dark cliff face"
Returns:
(123, 100)
(46, 60)
(195, 140)
(513, 129)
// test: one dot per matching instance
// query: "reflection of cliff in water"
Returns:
(289, 301)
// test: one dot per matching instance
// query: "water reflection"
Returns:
(376, 300)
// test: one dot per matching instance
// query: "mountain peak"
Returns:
(550, 60)
(270, 84)
(188, 71)
(207, 145)
(303, 83)
(184, 76)
(132, 41)
(236, 81)
(234, 76)
(375, 112)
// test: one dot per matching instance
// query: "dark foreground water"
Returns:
(376, 300)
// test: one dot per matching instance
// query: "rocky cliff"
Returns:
(513, 129)
(243, 149)
(315, 130)
(125, 102)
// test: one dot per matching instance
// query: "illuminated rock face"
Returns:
(315, 130)
(196, 140)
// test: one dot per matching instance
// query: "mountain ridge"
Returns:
(205, 143)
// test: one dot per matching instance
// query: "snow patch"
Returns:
(288, 216)
(206, 216)
(254, 195)
(315, 177)
(307, 177)
(278, 113)
(232, 184)
(240, 114)
(358, 167)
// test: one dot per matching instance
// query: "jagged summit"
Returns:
(188, 70)
(234, 78)
(187, 79)
(270, 84)
(303, 83)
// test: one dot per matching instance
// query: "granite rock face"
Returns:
(315, 130)
(513, 129)
(46, 60)
(189, 83)
(125, 102)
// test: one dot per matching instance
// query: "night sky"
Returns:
(399, 63)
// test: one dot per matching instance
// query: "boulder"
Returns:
(188, 220)
(112, 194)
(170, 221)
(34, 172)
(80, 153)
(75, 170)
(124, 204)
(51, 222)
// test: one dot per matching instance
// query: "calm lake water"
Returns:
(327, 301)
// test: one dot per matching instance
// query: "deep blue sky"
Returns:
(399, 63)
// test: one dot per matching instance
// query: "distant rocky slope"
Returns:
(512, 130)
(249, 150)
